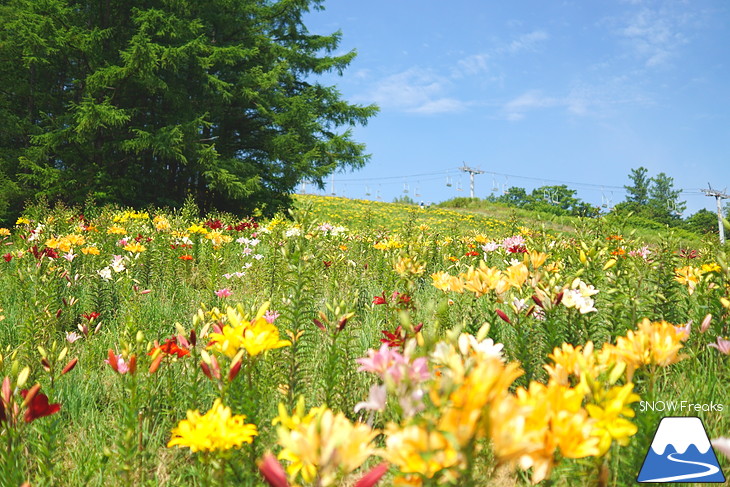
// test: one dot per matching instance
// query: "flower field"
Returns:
(350, 343)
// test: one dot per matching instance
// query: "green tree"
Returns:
(514, 196)
(638, 192)
(664, 199)
(702, 222)
(560, 200)
(148, 101)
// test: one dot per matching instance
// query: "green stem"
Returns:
(222, 472)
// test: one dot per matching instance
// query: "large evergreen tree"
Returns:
(151, 100)
(664, 199)
(638, 191)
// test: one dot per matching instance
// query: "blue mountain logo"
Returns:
(680, 452)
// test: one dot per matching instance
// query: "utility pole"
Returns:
(471, 172)
(719, 195)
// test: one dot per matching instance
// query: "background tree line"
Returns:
(650, 200)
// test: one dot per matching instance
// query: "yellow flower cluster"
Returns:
(417, 450)
(199, 229)
(596, 374)
(690, 276)
(654, 343)
(131, 215)
(65, 244)
(388, 244)
(255, 336)
(135, 247)
(483, 279)
(322, 445)
(4, 232)
(216, 430)
(579, 413)
(409, 267)
(217, 238)
(90, 250)
(116, 230)
(161, 223)
(528, 428)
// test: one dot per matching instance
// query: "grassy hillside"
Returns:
(481, 216)
(464, 347)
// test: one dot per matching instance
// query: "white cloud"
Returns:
(441, 105)
(415, 90)
(526, 42)
(654, 36)
(476, 64)
(471, 65)
(516, 108)
(425, 91)
(582, 100)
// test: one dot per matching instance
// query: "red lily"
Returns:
(170, 347)
(38, 406)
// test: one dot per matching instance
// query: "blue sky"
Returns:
(534, 93)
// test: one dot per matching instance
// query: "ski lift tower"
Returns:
(471, 172)
(719, 195)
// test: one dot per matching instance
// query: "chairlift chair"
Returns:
(672, 207)
(448, 181)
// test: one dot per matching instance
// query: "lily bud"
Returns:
(112, 361)
(132, 364)
(23, 376)
(235, 369)
(206, 370)
(31, 394)
(6, 391)
(502, 315)
(156, 363)
(273, 472)
(705, 325)
(373, 476)
(70, 365)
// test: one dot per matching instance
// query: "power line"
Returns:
(446, 172)
(383, 178)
